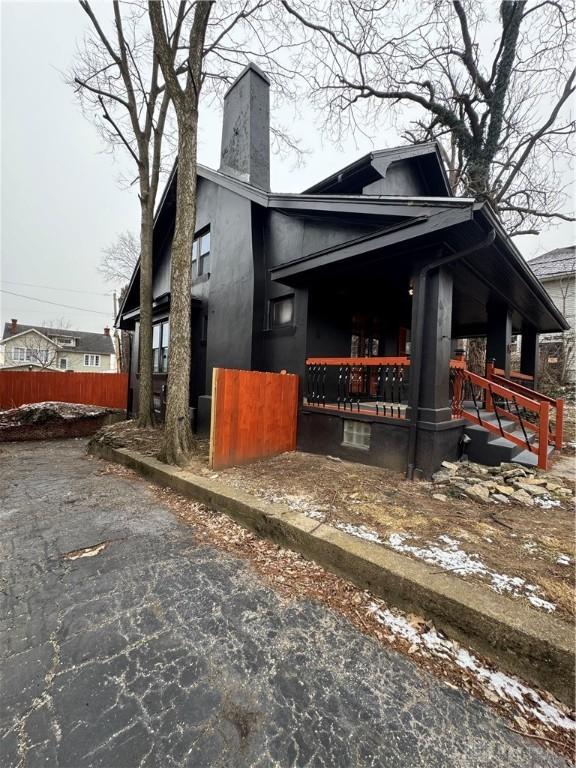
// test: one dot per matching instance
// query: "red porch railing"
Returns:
(509, 401)
(556, 435)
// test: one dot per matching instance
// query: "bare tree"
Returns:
(493, 91)
(119, 259)
(116, 77)
(177, 432)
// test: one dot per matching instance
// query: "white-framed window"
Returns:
(67, 341)
(356, 434)
(19, 354)
(92, 361)
(63, 363)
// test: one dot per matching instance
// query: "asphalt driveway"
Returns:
(158, 651)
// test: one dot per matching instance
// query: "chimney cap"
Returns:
(106, 330)
(250, 66)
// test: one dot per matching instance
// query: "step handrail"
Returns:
(558, 404)
(540, 408)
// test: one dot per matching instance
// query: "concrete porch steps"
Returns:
(491, 449)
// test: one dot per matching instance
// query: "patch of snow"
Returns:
(538, 602)
(563, 560)
(506, 687)
(300, 503)
(545, 502)
(451, 558)
(361, 532)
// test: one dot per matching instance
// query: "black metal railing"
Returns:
(375, 386)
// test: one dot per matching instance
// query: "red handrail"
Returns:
(491, 387)
(492, 375)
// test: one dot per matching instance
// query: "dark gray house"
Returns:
(362, 285)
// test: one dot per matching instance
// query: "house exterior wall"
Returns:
(562, 291)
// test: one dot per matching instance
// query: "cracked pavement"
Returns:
(159, 651)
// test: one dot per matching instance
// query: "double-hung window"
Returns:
(160, 340)
(201, 254)
(18, 354)
(92, 361)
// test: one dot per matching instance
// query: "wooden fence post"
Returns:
(559, 424)
(543, 435)
(489, 405)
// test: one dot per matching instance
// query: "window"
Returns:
(201, 254)
(356, 434)
(160, 340)
(281, 311)
(67, 341)
(18, 354)
(92, 361)
(63, 364)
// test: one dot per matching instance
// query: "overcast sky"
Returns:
(61, 202)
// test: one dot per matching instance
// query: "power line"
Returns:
(53, 288)
(55, 304)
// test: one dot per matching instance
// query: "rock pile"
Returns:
(503, 484)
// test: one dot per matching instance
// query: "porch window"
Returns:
(281, 311)
(201, 254)
(19, 354)
(356, 434)
(160, 340)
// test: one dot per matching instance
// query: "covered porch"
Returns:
(385, 330)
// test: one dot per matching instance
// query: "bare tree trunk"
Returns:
(177, 431)
(145, 394)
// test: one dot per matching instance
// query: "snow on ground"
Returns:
(450, 557)
(444, 553)
(563, 560)
(506, 688)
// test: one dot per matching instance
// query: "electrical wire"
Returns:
(52, 288)
(56, 304)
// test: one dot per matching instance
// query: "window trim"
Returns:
(160, 324)
(89, 364)
(198, 258)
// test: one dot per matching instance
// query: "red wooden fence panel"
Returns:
(253, 415)
(22, 387)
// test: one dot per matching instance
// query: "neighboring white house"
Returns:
(28, 347)
(556, 270)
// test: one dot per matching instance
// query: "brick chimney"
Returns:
(13, 325)
(106, 331)
(245, 152)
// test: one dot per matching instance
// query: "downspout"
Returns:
(417, 341)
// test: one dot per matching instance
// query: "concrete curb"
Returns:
(537, 647)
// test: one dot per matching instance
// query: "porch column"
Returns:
(499, 336)
(434, 403)
(530, 353)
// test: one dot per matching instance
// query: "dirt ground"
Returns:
(528, 549)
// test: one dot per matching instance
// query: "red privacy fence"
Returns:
(22, 387)
(253, 415)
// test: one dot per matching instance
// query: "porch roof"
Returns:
(499, 272)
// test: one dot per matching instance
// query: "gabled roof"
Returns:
(556, 263)
(374, 165)
(18, 334)
(96, 343)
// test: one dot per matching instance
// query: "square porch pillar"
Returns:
(434, 405)
(530, 353)
(499, 336)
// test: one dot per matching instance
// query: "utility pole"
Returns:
(117, 339)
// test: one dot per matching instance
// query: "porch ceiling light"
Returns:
(410, 290)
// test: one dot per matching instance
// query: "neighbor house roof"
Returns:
(560, 261)
(96, 343)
